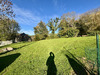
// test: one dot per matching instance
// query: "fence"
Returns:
(93, 54)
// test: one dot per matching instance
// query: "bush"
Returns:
(69, 33)
(37, 37)
(51, 36)
(93, 33)
(40, 37)
(72, 32)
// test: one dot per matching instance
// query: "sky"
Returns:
(30, 12)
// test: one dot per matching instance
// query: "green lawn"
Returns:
(29, 58)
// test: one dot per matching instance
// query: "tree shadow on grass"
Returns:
(5, 61)
(21, 47)
(3, 53)
(52, 70)
(76, 65)
(14, 49)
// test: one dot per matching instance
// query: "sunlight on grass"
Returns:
(33, 55)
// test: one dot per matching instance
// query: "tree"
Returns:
(88, 23)
(63, 26)
(13, 29)
(66, 30)
(6, 9)
(53, 25)
(41, 32)
(67, 26)
(9, 29)
(70, 18)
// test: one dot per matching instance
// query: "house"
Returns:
(23, 37)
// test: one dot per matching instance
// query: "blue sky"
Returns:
(30, 12)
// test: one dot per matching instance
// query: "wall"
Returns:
(2, 43)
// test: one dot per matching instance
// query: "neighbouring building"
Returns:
(23, 37)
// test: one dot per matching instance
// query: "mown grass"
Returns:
(30, 58)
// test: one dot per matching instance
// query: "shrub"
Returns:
(92, 33)
(69, 33)
(40, 37)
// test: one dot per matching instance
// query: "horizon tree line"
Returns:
(69, 25)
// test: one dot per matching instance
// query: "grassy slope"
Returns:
(31, 57)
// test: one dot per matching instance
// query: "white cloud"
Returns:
(29, 18)
(29, 32)
(25, 17)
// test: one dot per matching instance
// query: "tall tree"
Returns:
(67, 26)
(41, 32)
(53, 25)
(88, 23)
(9, 29)
(70, 18)
(66, 30)
(63, 27)
(6, 9)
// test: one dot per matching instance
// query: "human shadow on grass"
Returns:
(52, 70)
(14, 49)
(5, 61)
(76, 65)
